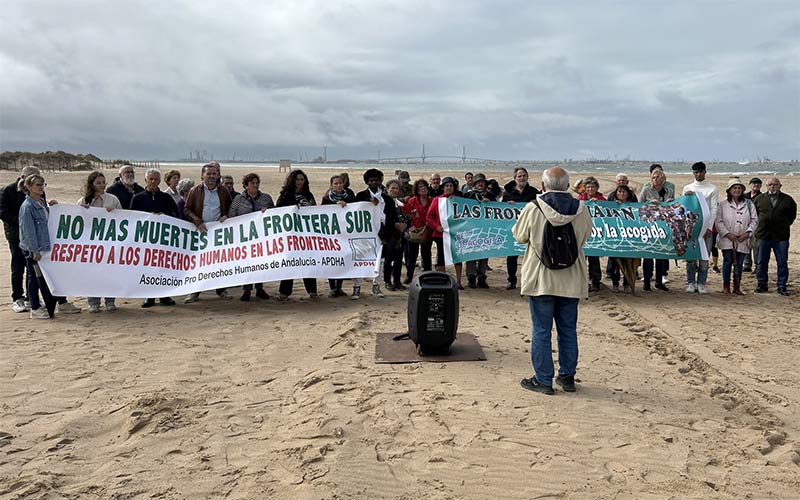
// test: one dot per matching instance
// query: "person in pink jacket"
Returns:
(736, 221)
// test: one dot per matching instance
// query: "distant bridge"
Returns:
(449, 159)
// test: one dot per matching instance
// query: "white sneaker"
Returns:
(701, 289)
(94, 308)
(67, 308)
(40, 313)
(18, 306)
(111, 307)
(691, 288)
(356, 293)
(665, 280)
(192, 297)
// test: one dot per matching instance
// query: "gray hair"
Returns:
(591, 180)
(621, 175)
(184, 185)
(555, 179)
(126, 166)
(152, 171)
(29, 170)
(226, 178)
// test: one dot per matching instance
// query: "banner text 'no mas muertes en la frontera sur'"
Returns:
(135, 254)
(668, 230)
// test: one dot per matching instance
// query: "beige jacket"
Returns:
(105, 200)
(535, 278)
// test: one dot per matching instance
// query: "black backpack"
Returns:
(559, 245)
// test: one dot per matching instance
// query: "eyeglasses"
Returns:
(40, 184)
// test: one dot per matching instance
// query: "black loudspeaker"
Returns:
(433, 312)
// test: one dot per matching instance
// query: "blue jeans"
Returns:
(564, 310)
(732, 258)
(781, 250)
(697, 270)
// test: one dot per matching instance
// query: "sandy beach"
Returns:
(680, 396)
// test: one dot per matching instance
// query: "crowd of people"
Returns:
(747, 226)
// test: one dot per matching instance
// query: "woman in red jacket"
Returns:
(417, 209)
(450, 186)
(592, 193)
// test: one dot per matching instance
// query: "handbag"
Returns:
(418, 234)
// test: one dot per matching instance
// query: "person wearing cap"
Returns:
(517, 191)
(591, 192)
(450, 187)
(755, 188)
(406, 190)
(736, 222)
(476, 269)
(124, 186)
(776, 213)
(374, 194)
(11, 200)
(750, 258)
(697, 271)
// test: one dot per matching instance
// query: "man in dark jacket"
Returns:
(10, 202)
(125, 187)
(517, 191)
(776, 213)
(154, 201)
(755, 190)
(375, 195)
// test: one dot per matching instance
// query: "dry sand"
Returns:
(680, 396)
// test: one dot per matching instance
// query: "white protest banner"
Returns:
(124, 253)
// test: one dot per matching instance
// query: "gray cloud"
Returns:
(510, 79)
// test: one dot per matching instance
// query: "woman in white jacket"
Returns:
(94, 195)
(736, 221)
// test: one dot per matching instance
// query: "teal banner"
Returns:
(474, 230)
(670, 230)
(666, 231)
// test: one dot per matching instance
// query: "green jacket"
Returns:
(774, 222)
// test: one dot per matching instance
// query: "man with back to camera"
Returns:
(553, 294)
(776, 213)
(697, 271)
(125, 187)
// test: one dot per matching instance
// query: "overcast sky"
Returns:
(509, 79)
